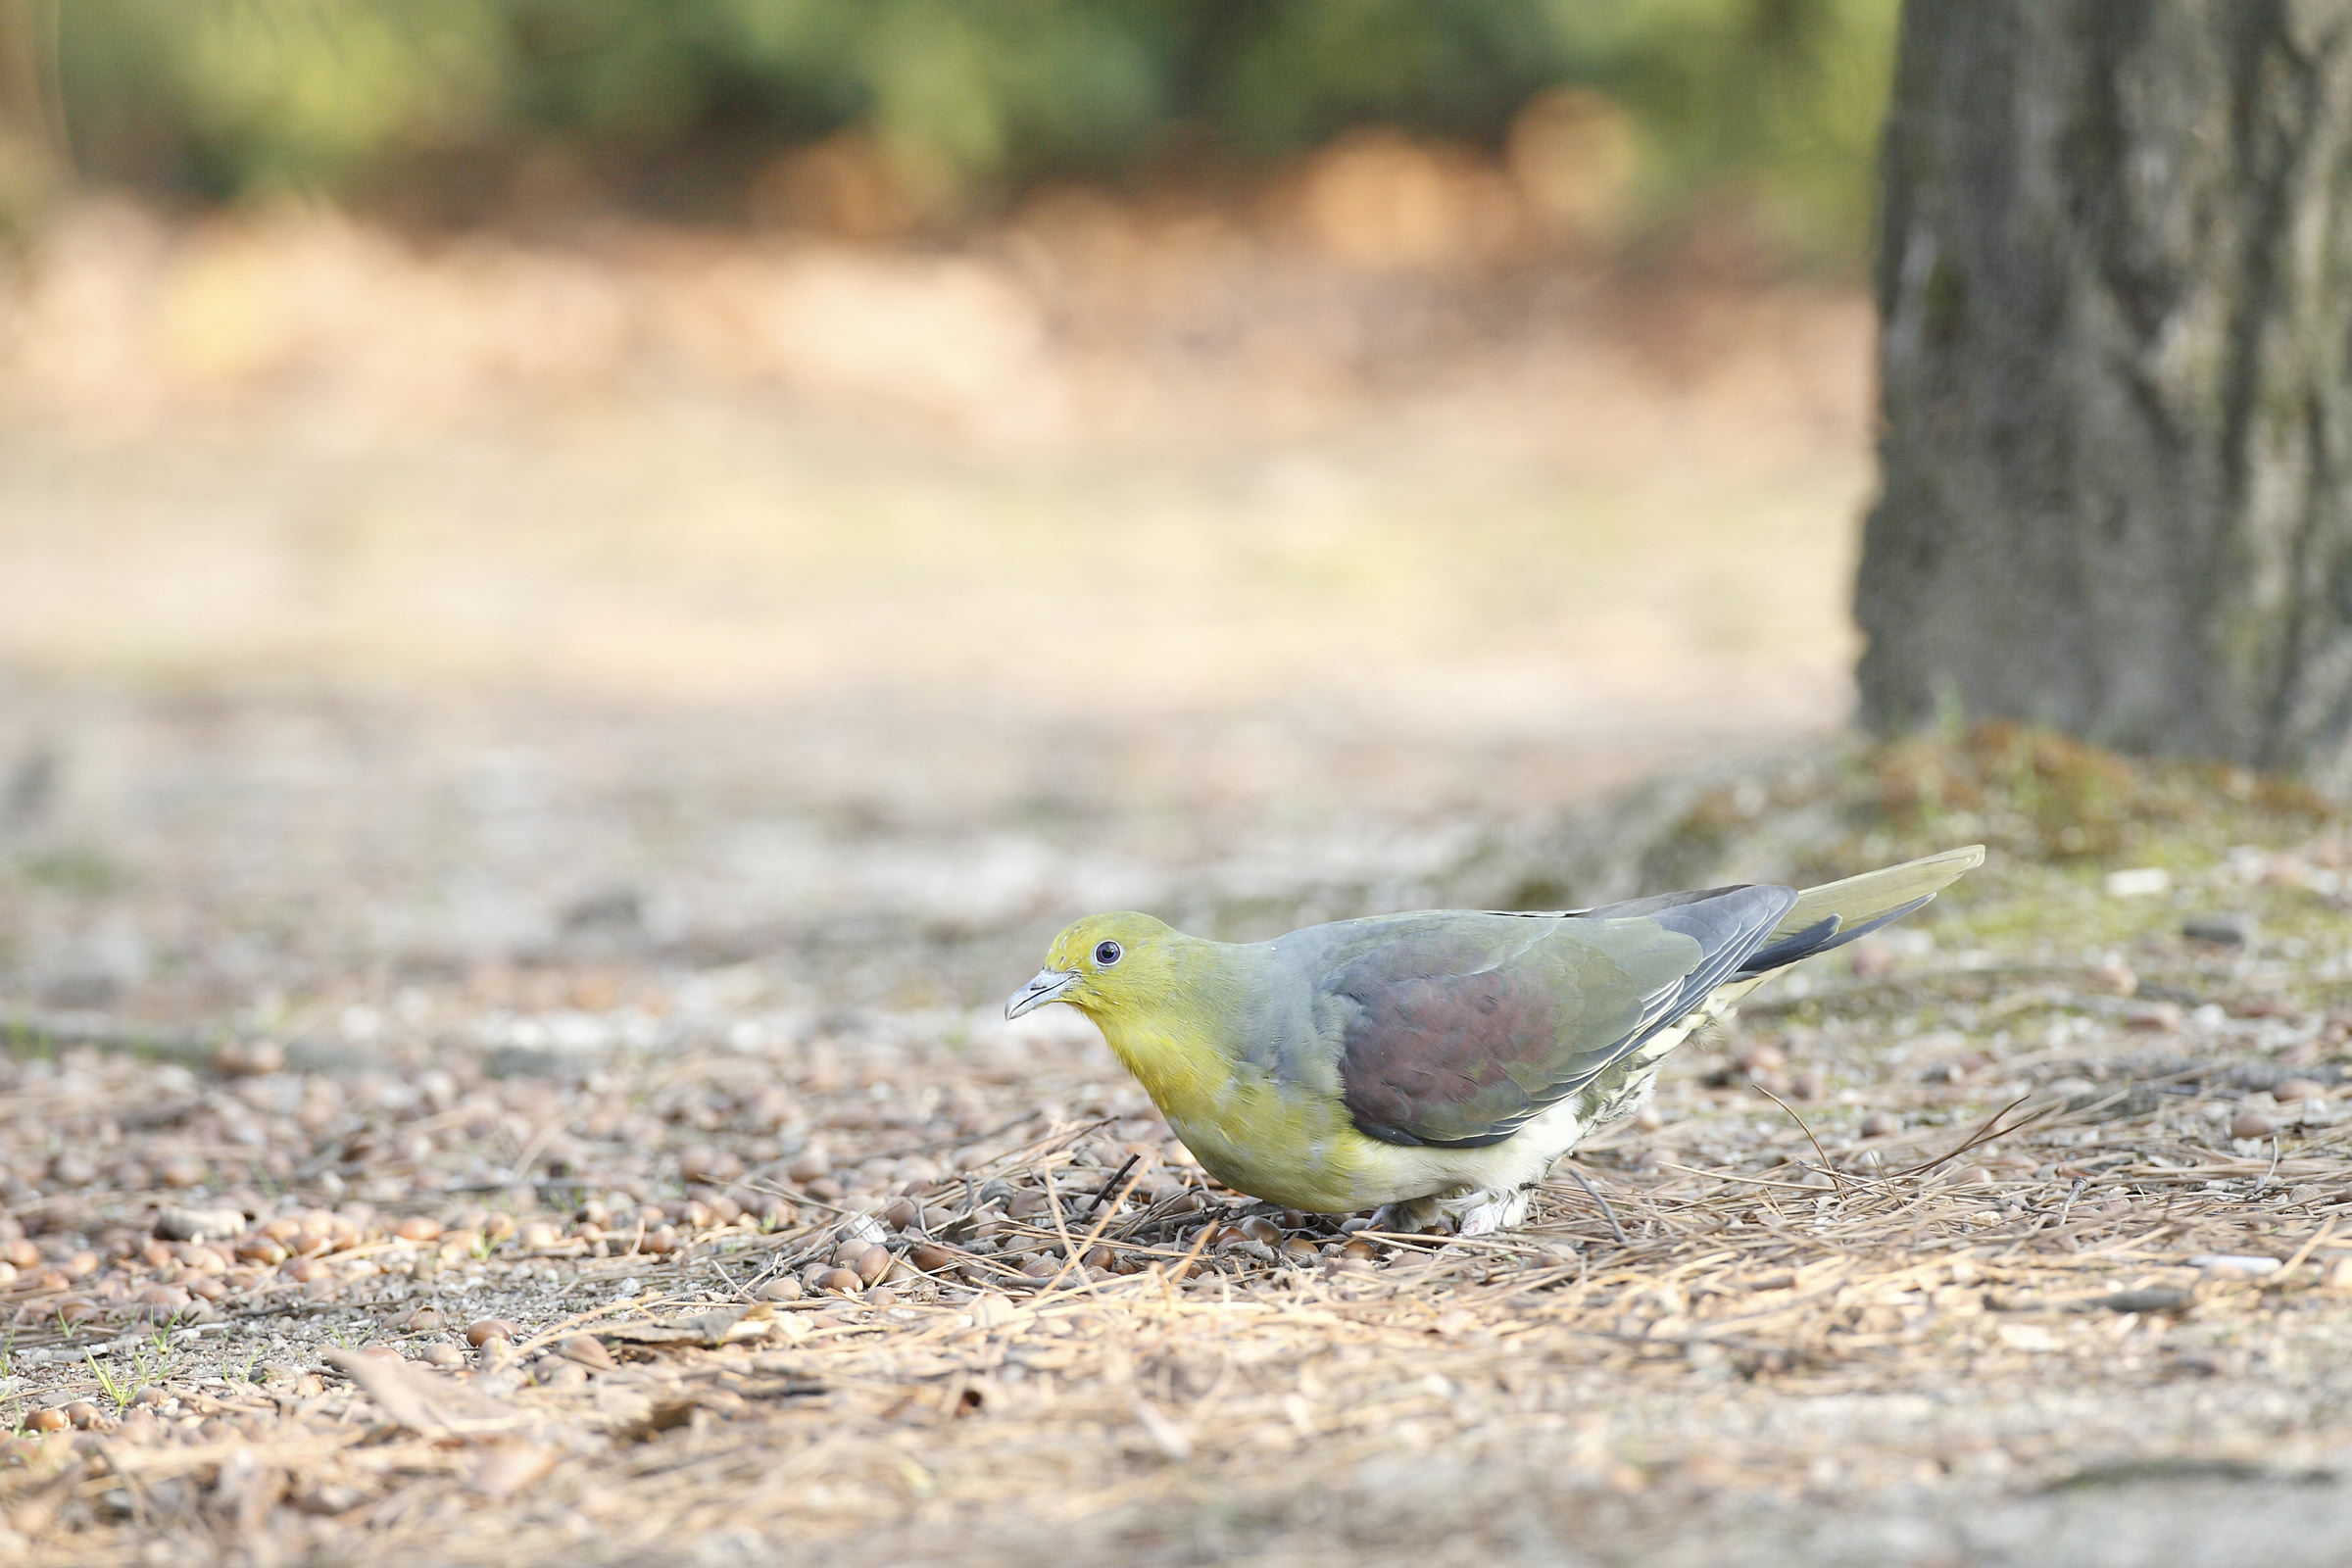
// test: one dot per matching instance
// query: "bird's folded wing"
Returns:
(1457, 1029)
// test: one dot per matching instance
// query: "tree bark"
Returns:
(2115, 288)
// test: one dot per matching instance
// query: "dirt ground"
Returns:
(506, 897)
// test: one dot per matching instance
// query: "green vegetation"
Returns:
(680, 102)
(118, 1390)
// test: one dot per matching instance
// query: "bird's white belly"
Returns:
(1525, 1156)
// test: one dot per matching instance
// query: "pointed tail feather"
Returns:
(1836, 912)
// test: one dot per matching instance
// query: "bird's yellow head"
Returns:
(1102, 964)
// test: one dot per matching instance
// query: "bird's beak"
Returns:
(1047, 986)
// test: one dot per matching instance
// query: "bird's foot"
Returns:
(1473, 1213)
(1493, 1211)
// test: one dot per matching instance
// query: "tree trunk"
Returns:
(2115, 287)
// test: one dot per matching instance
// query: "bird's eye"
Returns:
(1107, 953)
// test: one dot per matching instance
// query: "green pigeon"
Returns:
(1435, 1066)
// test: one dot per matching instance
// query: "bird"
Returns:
(1432, 1067)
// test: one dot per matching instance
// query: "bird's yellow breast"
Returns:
(1279, 1141)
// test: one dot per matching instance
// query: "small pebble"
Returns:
(241, 1059)
(588, 1350)
(2222, 930)
(2141, 882)
(2114, 976)
(933, 1258)
(483, 1330)
(703, 1163)
(1879, 1124)
(198, 1224)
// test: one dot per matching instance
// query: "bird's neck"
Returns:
(1180, 1066)
(1179, 1039)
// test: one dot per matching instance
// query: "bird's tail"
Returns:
(1836, 912)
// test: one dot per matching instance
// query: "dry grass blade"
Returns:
(1985, 1134)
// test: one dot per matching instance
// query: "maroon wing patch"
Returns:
(1428, 1058)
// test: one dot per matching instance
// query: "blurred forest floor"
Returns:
(528, 770)
(771, 587)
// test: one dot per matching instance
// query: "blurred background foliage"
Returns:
(464, 111)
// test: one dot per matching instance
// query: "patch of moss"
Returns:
(85, 872)
(2044, 795)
